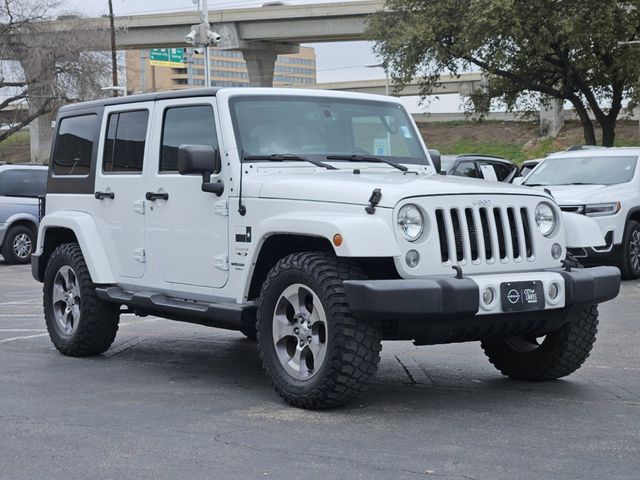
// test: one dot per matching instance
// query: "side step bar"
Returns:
(231, 316)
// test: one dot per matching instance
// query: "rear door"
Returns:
(187, 230)
(120, 186)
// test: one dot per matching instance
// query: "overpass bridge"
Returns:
(464, 84)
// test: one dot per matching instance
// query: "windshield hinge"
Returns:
(376, 195)
(221, 207)
(221, 262)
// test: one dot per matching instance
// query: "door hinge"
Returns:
(221, 207)
(221, 262)
(140, 255)
(139, 206)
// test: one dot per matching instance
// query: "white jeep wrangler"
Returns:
(314, 221)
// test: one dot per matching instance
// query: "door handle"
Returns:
(103, 195)
(153, 196)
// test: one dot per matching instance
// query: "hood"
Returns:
(345, 186)
(582, 194)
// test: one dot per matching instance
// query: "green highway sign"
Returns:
(167, 57)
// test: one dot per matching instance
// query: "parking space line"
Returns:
(21, 330)
(21, 315)
(12, 339)
(29, 301)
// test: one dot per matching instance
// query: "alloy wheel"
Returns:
(300, 332)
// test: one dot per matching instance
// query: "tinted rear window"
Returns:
(27, 182)
(74, 145)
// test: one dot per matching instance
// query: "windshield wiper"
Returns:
(284, 157)
(361, 158)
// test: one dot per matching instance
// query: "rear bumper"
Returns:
(437, 297)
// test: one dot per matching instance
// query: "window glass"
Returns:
(193, 125)
(74, 145)
(502, 171)
(587, 170)
(27, 182)
(124, 146)
(466, 169)
(321, 127)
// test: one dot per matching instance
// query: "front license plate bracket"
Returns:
(522, 296)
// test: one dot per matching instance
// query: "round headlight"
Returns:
(545, 218)
(411, 222)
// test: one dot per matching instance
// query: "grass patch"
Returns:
(16, 148)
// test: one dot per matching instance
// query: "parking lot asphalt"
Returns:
(171, 400)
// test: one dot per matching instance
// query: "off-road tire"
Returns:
(10, 257)
(353, 345)
(98, 322)
(250, 333)
(626, 267)
(561, 353)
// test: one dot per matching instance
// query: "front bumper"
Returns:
(440, 310)
(422, 299)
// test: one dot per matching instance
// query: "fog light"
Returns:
(412, 258)
(488, 295)
(556, 251)
(554, 291)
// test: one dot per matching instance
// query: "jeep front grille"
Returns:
(484, 234)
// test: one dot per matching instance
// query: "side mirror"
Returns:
(435, 158)
(203, 160)
(518, 180)
(198, 159)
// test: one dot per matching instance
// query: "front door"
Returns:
(120, 186)
(187, 238)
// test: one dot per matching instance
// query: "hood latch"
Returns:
(374, 200)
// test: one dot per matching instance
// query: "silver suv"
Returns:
(20, 188)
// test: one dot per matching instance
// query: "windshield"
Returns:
(584, 171)
(316, 127)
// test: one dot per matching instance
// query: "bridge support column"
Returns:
(261, 66)
(551, 117)
(39, 72)
(259, 56)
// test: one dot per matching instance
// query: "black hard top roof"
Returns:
(480, 156)
(144, 97)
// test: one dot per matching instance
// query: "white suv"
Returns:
(312, 220)
(604, 184)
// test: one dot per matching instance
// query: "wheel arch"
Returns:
(277, 246)
(73, 227)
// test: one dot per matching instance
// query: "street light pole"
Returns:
(386, 75)
(114, 59)
(207, 62)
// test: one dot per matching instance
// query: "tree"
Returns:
(564, 49)
(44, 68)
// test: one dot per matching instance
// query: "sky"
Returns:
(335, 61)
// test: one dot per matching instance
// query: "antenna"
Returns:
(242, 210)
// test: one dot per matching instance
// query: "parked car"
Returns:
(602, 183)
(485, 167)
(312, 221)
(20, 187)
